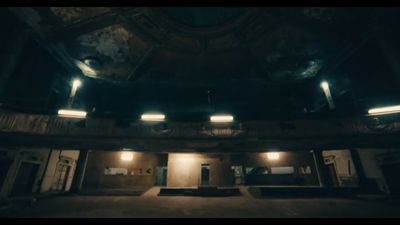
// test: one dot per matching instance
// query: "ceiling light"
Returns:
(221, 118)
(126, 156)
(71, 113)
(153, 117)
(273, 155)
(384, 110)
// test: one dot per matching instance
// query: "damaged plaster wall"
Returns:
(141, 170)
(184, 169)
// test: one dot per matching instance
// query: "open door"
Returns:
(205, 174)
(162, 172)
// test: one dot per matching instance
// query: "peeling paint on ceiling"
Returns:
(67, 14)
(111, 41)
(73, 14)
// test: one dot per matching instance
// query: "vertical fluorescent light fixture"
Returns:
(221, 118)
(126, 156)
(152, 117)
(76, 83)
(384, 110)
(273, 155)
(325, 87)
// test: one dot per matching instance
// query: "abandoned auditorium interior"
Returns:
(199, 112)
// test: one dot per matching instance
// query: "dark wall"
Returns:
(286, 159)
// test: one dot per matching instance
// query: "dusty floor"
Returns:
(151, 205)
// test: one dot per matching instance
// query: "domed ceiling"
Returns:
(165, 54)
(217, 43)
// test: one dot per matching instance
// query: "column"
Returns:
(80, 171)
(323, 173)
(362, 178)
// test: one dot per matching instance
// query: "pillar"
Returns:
(362, 178)
(77, 182)
(323, 173)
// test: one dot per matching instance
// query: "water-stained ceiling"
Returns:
(276, 53)
(160, 44)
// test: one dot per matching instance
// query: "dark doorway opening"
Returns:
(390, 172)
(162, 172)
(25, 179)
(205, 174)
(5, 164)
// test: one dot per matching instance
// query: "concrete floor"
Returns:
(151, 205)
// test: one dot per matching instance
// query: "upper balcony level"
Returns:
(18, 129)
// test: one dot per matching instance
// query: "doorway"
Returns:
(162, 175)
(205, 175)
(23, 184)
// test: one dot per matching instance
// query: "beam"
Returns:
(57, 50)
(14, 54)
(247, 50)
(165, 145)
(80, 170)
(138, 69)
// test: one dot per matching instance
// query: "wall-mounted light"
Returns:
(152, 117)
(273, 155)
(126, 156)
(71, 113)
(76, 83)
(325, 87)
(221, 118)
(384, 110)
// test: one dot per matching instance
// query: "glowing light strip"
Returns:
(153, 117)
(72, 113)
(384, 110)
(221, 118)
